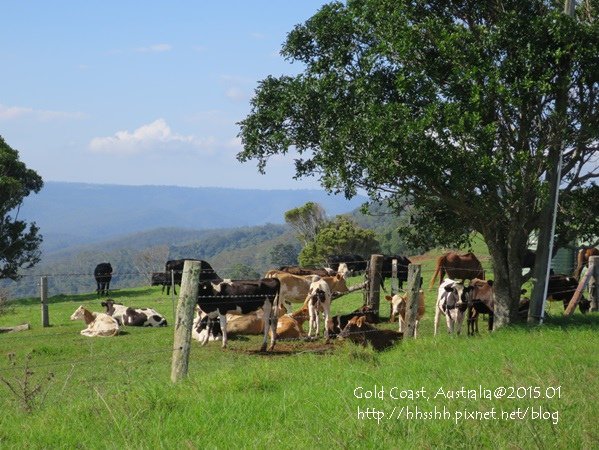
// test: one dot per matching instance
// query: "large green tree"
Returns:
(339, 236)
(19, 241)
(454, 109)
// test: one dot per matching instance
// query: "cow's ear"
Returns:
(449, 288)
(388, 298)
(360, 321)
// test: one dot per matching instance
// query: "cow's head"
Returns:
(457, 295)
(339, 284)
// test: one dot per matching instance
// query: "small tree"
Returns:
(341, 236)
(19, 241)
(151, 260)
(306, 220)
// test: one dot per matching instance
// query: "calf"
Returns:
(319, 297)
(160, 279)
(204, 328)
(452, 303)
(140, 317)
(103, 275)
(360, 332)
(289, 326)
(295, 288)
(481, 300)
(337, 323)
(98, 324)
(216, 299)
(398, 308)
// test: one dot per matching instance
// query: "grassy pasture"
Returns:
(116, 392)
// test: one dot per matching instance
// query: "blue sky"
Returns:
(142, 92)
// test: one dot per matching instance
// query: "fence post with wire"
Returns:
(188, 297)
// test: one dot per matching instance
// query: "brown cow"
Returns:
(458, 267)
(582, 260)
(362, 333)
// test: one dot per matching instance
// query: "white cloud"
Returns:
(156, 48)
(236, 94)
(18, 112)
(153, 137)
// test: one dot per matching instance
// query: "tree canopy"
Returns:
(453, 111)
(19, 241)
(306, 220)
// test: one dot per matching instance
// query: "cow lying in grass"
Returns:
(140, 317)
(337, 323)
(98, 324)
(361, 332)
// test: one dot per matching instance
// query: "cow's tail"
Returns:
(438, 270)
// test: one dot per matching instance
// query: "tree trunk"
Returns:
(507, 282)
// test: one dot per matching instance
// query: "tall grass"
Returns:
(116, 392)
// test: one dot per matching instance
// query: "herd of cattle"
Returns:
(265, 306)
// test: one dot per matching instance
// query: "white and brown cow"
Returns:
(398, 308)
(134, 317)
(98, 324)
(218, 298)
(295, 288)
(318, 298)
(452, 303)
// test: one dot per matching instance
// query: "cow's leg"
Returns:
(437, 316)
(458, 321)
(401, 323)
(327, 315)
(223, 326)
(311, 313)
(416, 328)
(267, 308)
(273, 322)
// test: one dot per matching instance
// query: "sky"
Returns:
(142, 93)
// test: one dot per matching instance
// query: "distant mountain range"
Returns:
(71, 214)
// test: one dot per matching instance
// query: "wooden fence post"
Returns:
(374, 278)
(188, 298)
(580, 289)
(594, 283)
(413, 294)
(394, 287)
(44, 299)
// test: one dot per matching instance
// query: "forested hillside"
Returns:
(243, 252)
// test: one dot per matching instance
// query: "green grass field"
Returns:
(539, 386)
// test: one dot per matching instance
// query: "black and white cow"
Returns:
(134, 317)
(175, 267)
(103, 275)
(217, 298)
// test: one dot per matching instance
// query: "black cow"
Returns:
(175, 266)
(160, 279)
(217, 298)
(562, 287)
(355, 263)
(402, 269)
(103, 275)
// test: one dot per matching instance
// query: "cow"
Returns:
(160, 279)
(452, 303)
(175, 267)
(582, 259)
(289, 326)
(204, 328)
(319, 298)
(295, 288)
(134, 317)
(402, 269)
(361, 332)
(458, 267)
(217, 298)
(302, 271)
(103, 275)
(481, 300)
(562, 287)
(398, 307)
(337, 323)
(98, 324)
(354, 263)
